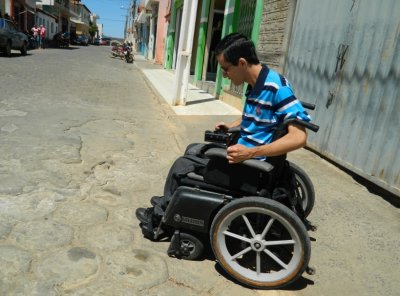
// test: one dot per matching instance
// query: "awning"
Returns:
(27, 9)
(76, 21)
(30, 10)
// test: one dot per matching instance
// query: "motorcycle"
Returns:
(129, 58)
(117, 50)
(61, 39)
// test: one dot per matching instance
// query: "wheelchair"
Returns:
(255, 224)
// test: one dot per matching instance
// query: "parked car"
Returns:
(12, 38)
(61, 39)
(105, 41)
(82, 40)
(31, 40)
(96, 41)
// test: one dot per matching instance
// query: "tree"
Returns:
(92, 30)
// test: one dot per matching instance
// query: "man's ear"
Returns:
(242, 62)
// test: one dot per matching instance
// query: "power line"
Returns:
(111, 20)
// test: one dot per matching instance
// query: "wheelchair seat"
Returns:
(253, 172)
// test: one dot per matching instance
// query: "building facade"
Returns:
(48, 21)
(80, 18)
(342, 56)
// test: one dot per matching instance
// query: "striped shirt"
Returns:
(267, 104)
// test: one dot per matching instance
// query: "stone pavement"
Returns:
(78, 155)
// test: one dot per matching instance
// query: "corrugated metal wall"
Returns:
(344, 55)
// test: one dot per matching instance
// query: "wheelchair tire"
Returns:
(304, 189)
(192, 245)
(260, 242)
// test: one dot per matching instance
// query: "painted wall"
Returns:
(161, 31)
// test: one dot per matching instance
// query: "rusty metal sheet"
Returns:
(345, 56)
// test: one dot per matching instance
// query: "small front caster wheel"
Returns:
(311, 270)
(190, 247)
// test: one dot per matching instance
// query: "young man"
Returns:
(269, 101)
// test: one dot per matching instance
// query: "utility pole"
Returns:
(126, 26)
(133, 21)
(129, 21)
(129, 24)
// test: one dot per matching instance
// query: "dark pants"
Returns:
(181, 167)
(219, 172)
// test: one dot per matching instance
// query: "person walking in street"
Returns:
(35, 34)
(42, 37)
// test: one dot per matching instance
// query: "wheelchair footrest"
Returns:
(148, 231)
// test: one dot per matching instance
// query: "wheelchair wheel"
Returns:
(190, 247)
(260, 242)
(304, 189)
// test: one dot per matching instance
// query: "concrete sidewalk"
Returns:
(198, 101)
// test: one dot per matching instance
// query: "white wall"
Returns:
(100, 29)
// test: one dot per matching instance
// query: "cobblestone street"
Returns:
(85, 141)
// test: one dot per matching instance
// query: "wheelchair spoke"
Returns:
(242, 238)
(277, 260)
(267, 228)
(242, 252)
(249, 225)
(278, 243)
(258, 263)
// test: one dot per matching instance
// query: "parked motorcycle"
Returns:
(61, 39)
(117, 50)
(129, 58)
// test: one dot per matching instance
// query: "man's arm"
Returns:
(294, 139)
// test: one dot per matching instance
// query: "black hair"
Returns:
(235, 46)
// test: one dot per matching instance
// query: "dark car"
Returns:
(31, 40)
(96, 41)
(82, 40)
(61, 39)
(12, 38)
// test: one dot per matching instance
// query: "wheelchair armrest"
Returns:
(235, 129)
(253, 163)
(216, 152)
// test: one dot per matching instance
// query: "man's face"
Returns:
(230, 71)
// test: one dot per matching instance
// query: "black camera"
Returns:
(217, 136)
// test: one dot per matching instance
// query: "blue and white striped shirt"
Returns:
(269, 103)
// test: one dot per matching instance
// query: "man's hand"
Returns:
(226, 126)
(221, 126)
(238, 153)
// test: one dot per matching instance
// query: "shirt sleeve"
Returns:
(287, 106)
